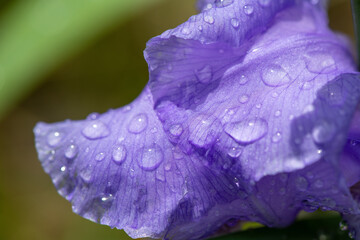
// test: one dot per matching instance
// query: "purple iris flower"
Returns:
(250, 113)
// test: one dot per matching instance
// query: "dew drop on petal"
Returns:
(243, 80)
(275, 76)
(205, 74)
(235, 152)
(235, 22)
(107, 198)
(301, 183)
(71, 151)
(276, 138)
(323, 132)
(204, 130)
(247, 131)
(54, 138)
(93, 116)
(248, 9)
(264, 3)
(85, 174)
(320, 62)
(277, 113)
(244, 98)
(138, 123)
(100, 156)
(149, 158)
(307, 85)
(176, 130)
(119, 154)
(209, 19)
(223, 3)
(63, 168)
(96, 130)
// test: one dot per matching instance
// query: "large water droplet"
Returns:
(223, 3)
(320, 62)
(204, 75)
(176, 130)
(100, 156)
(275, 76)
(54, 138)
(209, 19)
(301, 183)
(149, 158)
(71, 151)
(119, 154)
(323, 132)
(96, 130)
(264, 3)
(204, 130)
(248, 9)
(332, 95)
(107, 198)
(277, 113)
(138, 123)
(235, 22)
(93, 116)
(247, 131)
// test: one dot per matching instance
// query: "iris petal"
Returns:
(245, 117)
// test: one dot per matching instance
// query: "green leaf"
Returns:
(355, 5)
(323, 228)
(37, 35)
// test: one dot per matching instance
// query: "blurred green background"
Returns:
(63, 59)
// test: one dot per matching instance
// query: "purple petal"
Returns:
(271, 102)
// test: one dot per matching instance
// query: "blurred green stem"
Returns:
(355, 4)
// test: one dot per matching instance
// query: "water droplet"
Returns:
(307, 85)
(301, 183)
(167, 166)
(138, 123)
(235, 22)
(323, 132)
(276, 138)
(318, 183)
(107, 198)
(223, 3)
(176, 130)
(244, 98)
(200, 27)
(204, 130)
(275, 76)
(258, 106)
(274, 94)
(100, 156)
(85, 174)
(248, 9)
(247, 131)
(235, 152)
(320, 62)
(51, 155)
(63, 168)
(71, 152)
(150, 158)
(96, 130)
(243, 80)
(119, 154)
(209, 19)
(185, 31)
(343, 226)
(204, 75)
(264, 3)
(332, 95)
(54, 138)
(93, 116)
(277, 113)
